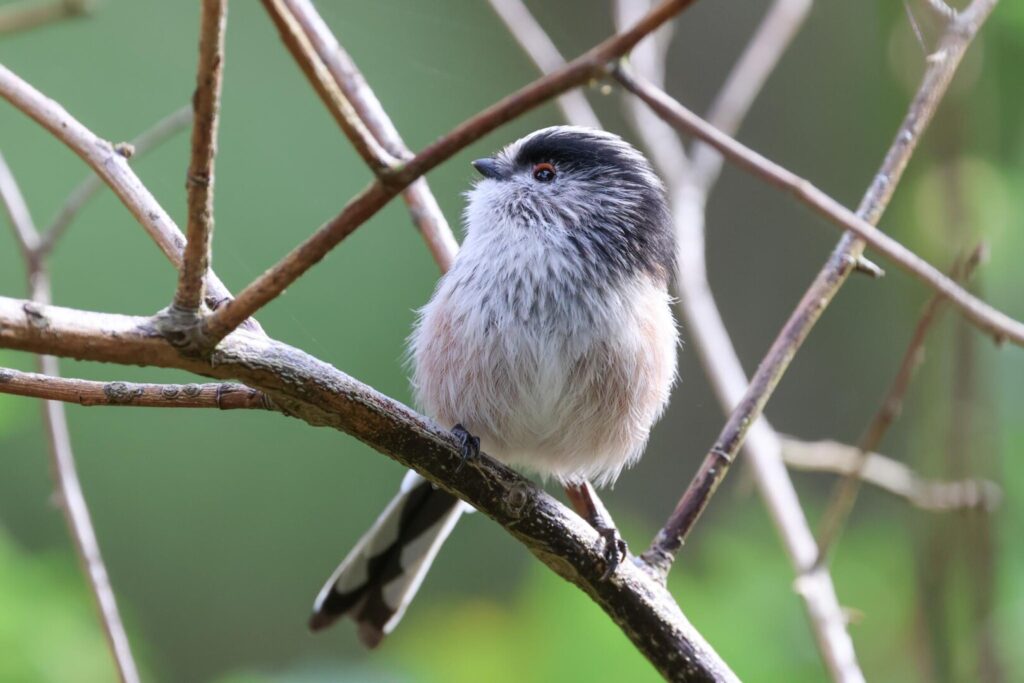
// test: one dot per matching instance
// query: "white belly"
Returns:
(570, 394)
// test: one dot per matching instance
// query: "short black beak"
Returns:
(488, 168)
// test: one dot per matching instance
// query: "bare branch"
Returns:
(17, 211)
(206, 114)
(817, 298)
(161, 131)
(717, 353)
(892, 476)
(318, 393)
(425, 211)
(996, 323)
(841, 503)
(21, 16)
(299, 44)
(223, 396)
(545, 55)
(591, 64)
(112, 166)
(774, 35)
(76, 512)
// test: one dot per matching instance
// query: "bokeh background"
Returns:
(218, 528)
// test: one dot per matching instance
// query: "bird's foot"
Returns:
(469, 445)
(614, 550)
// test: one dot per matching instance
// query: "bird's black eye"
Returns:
(544, 173)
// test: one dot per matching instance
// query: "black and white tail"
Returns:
(382, 573)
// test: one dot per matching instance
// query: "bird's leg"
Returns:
(469, 444)
(586, 503)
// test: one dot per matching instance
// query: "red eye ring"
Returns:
(544, 172)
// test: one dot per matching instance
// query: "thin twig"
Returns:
(543, 52)
(761, 55)
(591, 64)
(76, 512)
(822, 290)
(309, 389)
(21, 16)
(985, 317)
(157, 134)
(892, 476)
(423, 207)
(195, 262)
(110, 163)
(844, 495)
(223, 396)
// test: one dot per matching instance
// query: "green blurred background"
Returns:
(218, 528)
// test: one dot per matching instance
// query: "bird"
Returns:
(549, 344)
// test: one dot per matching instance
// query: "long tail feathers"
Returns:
(379, 577)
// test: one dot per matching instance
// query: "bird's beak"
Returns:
(488, 168)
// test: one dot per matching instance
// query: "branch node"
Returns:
(125, 149)
(867, 267)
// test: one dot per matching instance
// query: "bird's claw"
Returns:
(614, 550)
(469, 445)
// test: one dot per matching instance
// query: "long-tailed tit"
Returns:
(551, 340)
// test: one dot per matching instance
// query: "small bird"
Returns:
(550, 344)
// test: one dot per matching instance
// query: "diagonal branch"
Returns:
(195, 262)
(152, 137)
(325, 50)
(841, 503)
(223, 396)
(721, 455)
(76, 512)
(543, 52)
(590, 65)
(111, 165)
(311, 390)
(996, 323)
(707, 330)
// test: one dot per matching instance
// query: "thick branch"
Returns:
(199, 182)
(892, 476)
(589, 65)
(318, 393)
(985, 317)
(110, 163)
(425, 211)
(223, 396)
(821, 292)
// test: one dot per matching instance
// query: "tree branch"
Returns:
(223, 396)
(988, 319)
(110, 163)
(307, 388)
(589, 65)
(300, 45)
(892, 476)
(707, 331)
(76, 512)
(195, 262)
(21, 16)
(841, 503)
(150, 138)
(543, 52)
(817, 298)
(425, 211)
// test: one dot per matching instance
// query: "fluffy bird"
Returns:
(550, 344)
